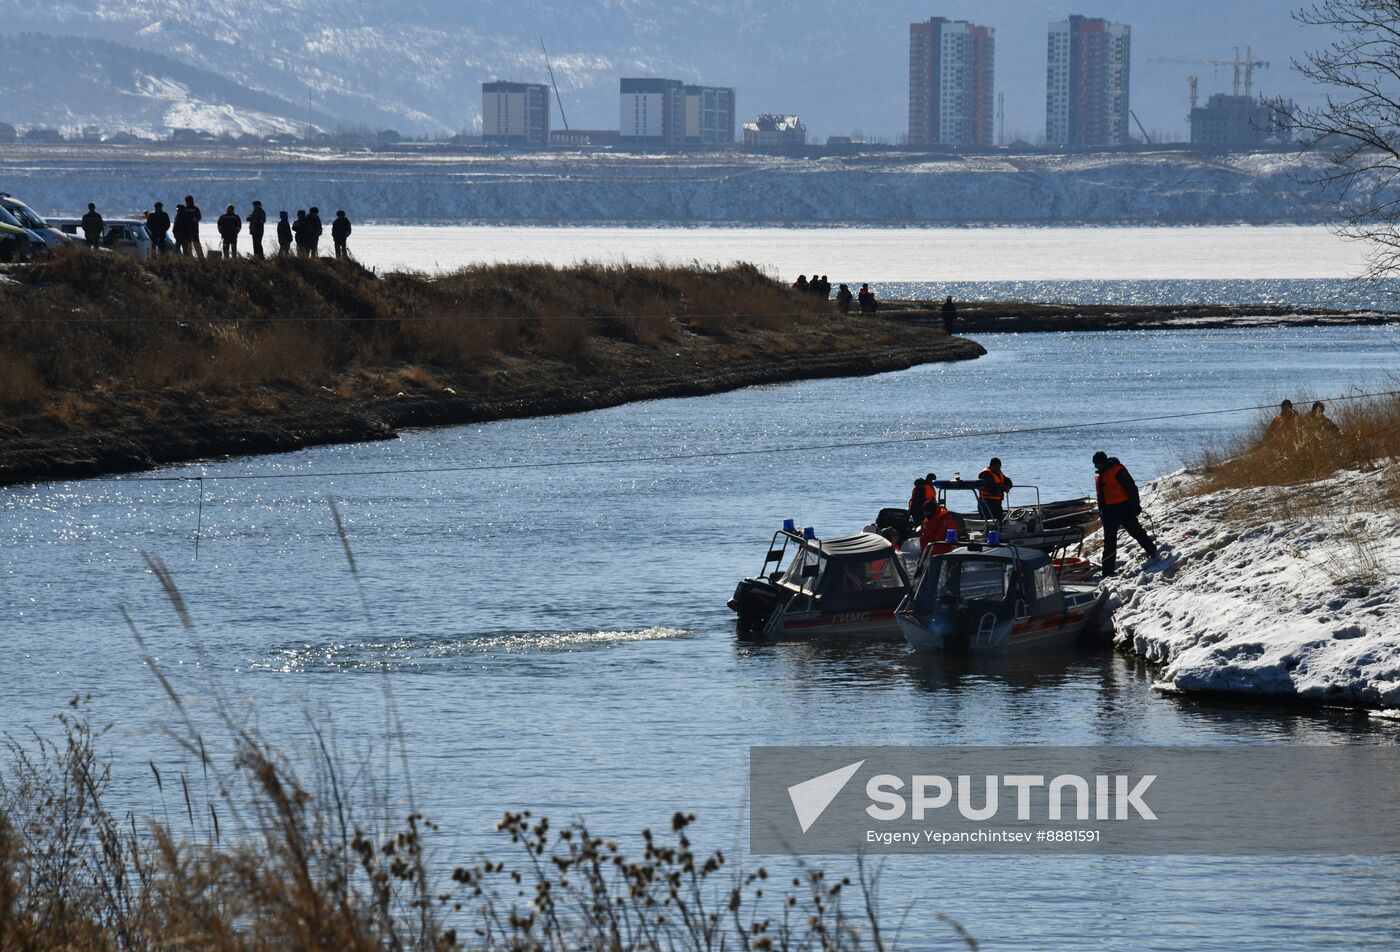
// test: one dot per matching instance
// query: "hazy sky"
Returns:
(1162, 29)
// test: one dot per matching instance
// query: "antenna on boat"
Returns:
(557, 98)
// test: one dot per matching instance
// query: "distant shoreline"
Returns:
(897, 189)
(1016, 317)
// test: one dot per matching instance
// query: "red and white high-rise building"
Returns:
(1087, 78)
(952, 83)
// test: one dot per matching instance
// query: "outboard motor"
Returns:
(952, 622)
(754, 602)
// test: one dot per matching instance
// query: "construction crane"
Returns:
(1141, 128)
(1194, 83)
(558, 98)
(1244, 68)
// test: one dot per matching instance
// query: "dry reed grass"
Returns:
(86, 323)
(1340, 477)
(1275, 464)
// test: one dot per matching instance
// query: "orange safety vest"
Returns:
(934, 532)
(1110, 490)
(998, 478)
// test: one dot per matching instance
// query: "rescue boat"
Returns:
(997, 599)
(837, 589)
(1029, 523)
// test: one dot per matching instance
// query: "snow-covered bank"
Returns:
(876, 189)
(1276, 603)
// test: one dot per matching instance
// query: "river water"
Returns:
(556, 638)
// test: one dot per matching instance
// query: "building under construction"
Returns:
(1240, 123)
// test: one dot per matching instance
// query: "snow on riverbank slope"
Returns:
(1173, 188)
(1302, 606)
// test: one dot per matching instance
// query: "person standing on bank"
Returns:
(257, 223)
(340, 234)
(991, 497)
(229, 225)
(195, 216)
(1119, 507)
(284, 236)
(950, 315)
(92, 227)
(312, 231)
(299, 231)
(158, 224)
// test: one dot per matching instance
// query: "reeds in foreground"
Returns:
(254, 857)
(278, 867)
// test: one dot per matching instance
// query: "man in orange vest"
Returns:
(1119, 508)
(938, 522)
(992, 496)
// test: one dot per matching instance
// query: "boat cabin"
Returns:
(1007, 582)
(814, 587)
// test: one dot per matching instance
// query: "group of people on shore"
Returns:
(1116, 492)
(179, 234)
(820, 286)
(1292, 427)
(864, 299)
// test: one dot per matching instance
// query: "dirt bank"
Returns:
(110, 367)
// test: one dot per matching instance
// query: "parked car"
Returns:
(126, 236)
(52, 238)
(14, 243)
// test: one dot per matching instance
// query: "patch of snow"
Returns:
(218, 119)
(155, 87)
(1302, 607)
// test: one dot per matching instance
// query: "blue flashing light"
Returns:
(789, 525)
(952, 536)
(809, 533)
(994, 538)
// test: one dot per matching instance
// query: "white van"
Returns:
(125, 236)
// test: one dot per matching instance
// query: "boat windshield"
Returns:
(795, 574)
(975, 580)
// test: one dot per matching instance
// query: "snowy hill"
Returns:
(84, 82)
(414, 64)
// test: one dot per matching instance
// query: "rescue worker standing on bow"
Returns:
(991, 498)
(1119, 508)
